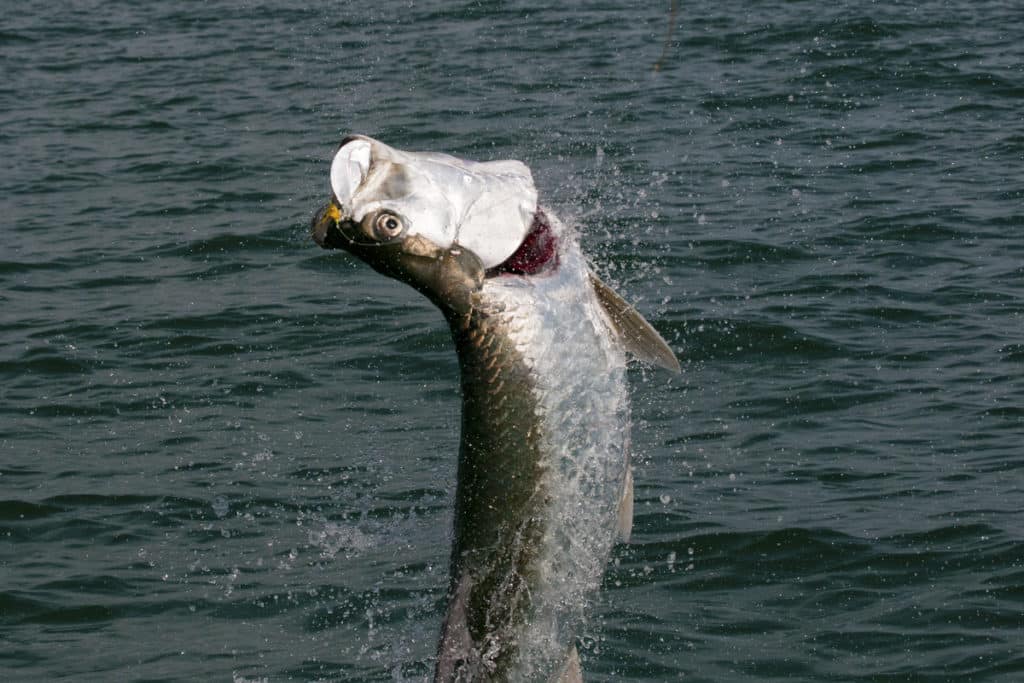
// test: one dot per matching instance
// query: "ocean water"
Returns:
(227, 455)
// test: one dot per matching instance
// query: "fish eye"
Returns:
(389, 225)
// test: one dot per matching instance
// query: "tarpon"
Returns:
(544, 483)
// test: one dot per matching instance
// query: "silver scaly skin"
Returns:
(541, 471)
(544, 485)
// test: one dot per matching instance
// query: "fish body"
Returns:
(543, 483)
(542, 470)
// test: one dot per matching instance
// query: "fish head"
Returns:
(431, 220)
(447, 276)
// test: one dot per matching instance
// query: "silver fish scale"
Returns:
(578, 374)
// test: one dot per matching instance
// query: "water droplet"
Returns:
(221, 506)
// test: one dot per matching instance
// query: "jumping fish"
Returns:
(544, 481)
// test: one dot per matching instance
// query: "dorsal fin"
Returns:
(635, 334)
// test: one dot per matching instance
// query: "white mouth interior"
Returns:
(351, 166)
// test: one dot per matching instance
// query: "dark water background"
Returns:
(226, 455)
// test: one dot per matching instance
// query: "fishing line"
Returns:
(668, 37)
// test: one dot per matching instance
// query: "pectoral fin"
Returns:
(635, 334)
(571, 672)
(625, 523)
